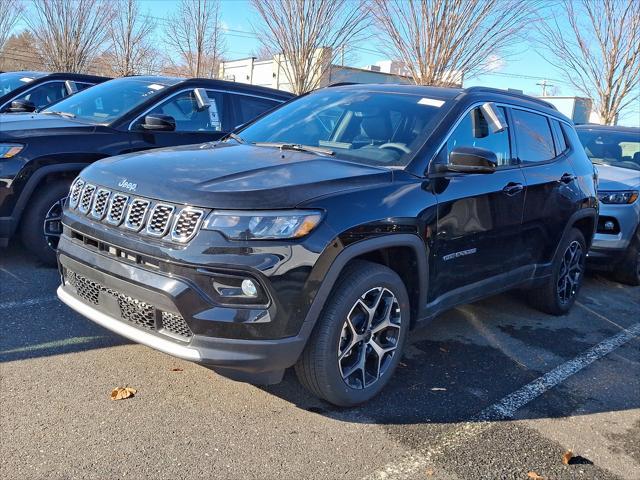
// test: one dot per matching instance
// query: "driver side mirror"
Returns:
(22, 106)
(470, 160)
(158, 122)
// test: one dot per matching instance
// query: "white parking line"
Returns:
(27, 303)
(504, 409)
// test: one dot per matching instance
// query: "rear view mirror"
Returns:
(163, 123)
(202, 98)
(470, 160)
(494, 117)
(22, 106)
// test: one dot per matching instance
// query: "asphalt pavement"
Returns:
(489, 390)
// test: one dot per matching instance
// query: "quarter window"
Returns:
(474, 131)
(533, 137)
(249, 107)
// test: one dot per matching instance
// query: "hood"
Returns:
(231, 176)
(616, 178)
(27, 125)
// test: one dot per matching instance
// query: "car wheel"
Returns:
(359, 338)
(560, 290)
(628, 270)
(42, 222)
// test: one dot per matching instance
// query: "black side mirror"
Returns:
(22, 106)
(470, 160)
(163, 123)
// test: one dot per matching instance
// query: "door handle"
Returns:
(567, 178)
(512, 188)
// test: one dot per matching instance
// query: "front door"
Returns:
(479, 215)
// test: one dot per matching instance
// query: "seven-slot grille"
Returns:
(131, 309)
(186, 224)
(86, 197)
(138, 214)
(159, 220)
(100, 203)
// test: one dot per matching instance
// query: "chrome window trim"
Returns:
(130, 128)
(498, 104)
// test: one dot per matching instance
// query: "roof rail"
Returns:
(341, 84)
(511, 93)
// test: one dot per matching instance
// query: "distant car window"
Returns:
(109, 100)
(611, 147)
(189, 118)
(474, 131)
(533, 137)
(9, 81)
(250, 107)
(43, 95)
(83, 85)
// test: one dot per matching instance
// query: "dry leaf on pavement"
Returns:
(429, 472)
(176, 369)
(121, 393)
(534, 476)
(566, 458)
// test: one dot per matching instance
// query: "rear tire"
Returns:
(358, 341)
(628, 270)
(43, 212)
(559, 292)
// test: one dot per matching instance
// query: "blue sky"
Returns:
(522, 71)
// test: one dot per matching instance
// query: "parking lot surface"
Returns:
(489, 390)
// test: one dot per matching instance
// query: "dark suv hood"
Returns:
(231, 176)
(28, 125)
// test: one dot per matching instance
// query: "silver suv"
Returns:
(616, 152)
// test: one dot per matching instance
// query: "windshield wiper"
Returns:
(61, 114)
(237, 138)
(297, 147)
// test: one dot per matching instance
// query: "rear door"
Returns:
(551, 189)
(479, 215)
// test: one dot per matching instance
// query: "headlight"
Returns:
(619, 197)
(243, 225)
(8, 150)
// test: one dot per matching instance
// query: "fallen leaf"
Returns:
(566, 458)
(438, 389)
(429, 472)
(402, 364)
(442, 349)
(534, 476)
(176, 369)
(121, 393)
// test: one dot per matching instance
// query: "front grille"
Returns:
(186, 224)
(136, 214)
(117, 207)
(100, 203)
(85, 199)
(159, 221)
(132, 310)
(74, 194)
(175, 324)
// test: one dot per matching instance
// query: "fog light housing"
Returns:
(609, 225)
(249, 288)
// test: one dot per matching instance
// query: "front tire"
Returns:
(559, 292)
(628, 270)
(358, 341)
(41, 224)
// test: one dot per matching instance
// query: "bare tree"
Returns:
(443, 41)
(195, 32)
(130, 43)
(10, 12)
(599, 53)
(263, 53)
(17, 53)
(310, 35)
(70, 34)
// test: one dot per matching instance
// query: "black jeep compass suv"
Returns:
(322, 233)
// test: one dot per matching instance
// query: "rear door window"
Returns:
(183, 108)
(533, 136)
(247, 107)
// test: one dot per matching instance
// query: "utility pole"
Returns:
(544, 84)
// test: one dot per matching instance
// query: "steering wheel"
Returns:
(396, 146)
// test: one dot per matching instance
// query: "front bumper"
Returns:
(625, 218)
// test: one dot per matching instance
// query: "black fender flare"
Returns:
(357, 249)
(587, 212)
(35, 180)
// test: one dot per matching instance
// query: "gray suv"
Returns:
(616, 152)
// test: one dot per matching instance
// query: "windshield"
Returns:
(107, 101)
(372, 128)
(608, 147)
(12, 80)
